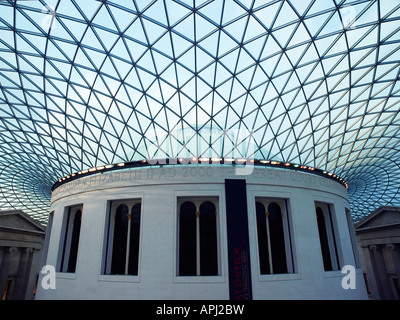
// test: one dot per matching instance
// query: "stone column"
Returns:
(23, 274)
(395, 251)
(380, 271)
(5, 266)
(34, 274)
(369, 269)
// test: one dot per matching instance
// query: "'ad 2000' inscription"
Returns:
(198, 173)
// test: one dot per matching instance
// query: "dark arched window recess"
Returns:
(187, 239)
(263, 251)
(123, 238)
(71, 234)
(134, 240)
(327, 239)
(273, 233)
(277, 238)
(208, 239)
(76, 230)
(198, 238)
(120, 240)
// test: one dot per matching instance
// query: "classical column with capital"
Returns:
(394, 249)
(22, 278)
(8, 253)
(380, 271)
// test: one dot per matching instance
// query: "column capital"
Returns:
(28, 250)
(392, 246)
(12, 250)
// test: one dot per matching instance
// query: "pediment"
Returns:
(18, 220)
(383, 216)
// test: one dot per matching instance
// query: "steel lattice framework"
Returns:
(91, 83)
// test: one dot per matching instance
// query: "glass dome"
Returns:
(91, 83)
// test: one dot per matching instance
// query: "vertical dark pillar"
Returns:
(238, 240)
(23, 273)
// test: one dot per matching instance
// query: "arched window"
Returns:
(277, 238)
(198, 238)
(76, 230)
(187, 239)
(134, 239)
(208, 239)
(273, 232)
(123, 238)
(327, 239)
(263, 251)
(119, 243)
(71, 234)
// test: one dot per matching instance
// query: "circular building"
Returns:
(204, 229)
(278, 122)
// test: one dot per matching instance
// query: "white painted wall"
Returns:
(159, 189)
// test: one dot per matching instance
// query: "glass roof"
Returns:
(90, 83)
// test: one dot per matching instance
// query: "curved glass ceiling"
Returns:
(91, 83)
